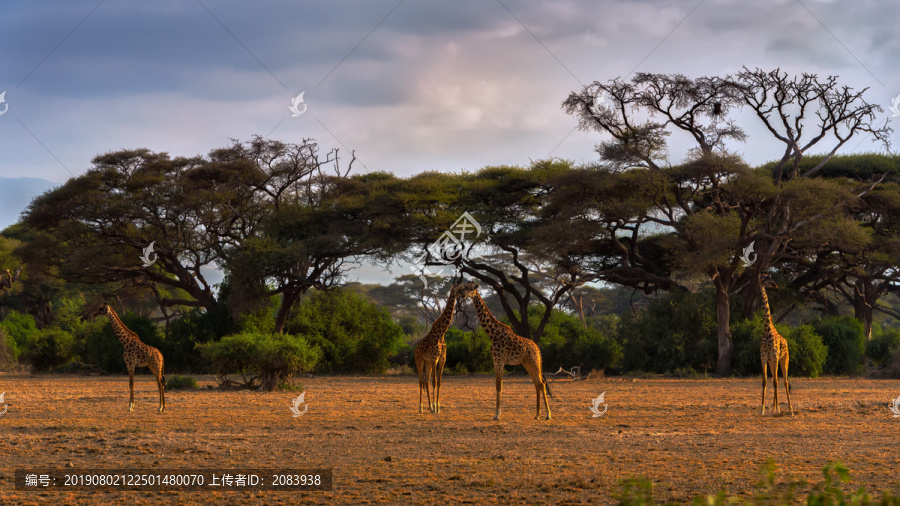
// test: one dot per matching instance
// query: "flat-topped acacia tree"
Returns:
(714, 204)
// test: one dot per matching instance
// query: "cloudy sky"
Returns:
(410, 85)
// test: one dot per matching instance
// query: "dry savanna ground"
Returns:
(689, 437)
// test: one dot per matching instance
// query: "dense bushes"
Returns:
(468, 351)
(6, 359)
(50, 349)
(353, 334)
(20, 331)
(846, 342)
(676, 331)
(190, 329)
(883, 346)
(806, 350)
(266, 360)
(566, 342)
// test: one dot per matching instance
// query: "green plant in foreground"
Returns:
(639, 491)
(181, 383)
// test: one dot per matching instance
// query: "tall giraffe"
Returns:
(507, 348)
(137, 354)
(773, 351)
(431, 353)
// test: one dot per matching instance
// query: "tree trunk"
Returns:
(862, 310)
(723, 331)
(751, 299)
(288, 299)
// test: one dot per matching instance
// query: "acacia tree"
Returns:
(507, 258)
(713, 204)
(197, 212)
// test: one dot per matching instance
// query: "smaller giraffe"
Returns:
(137, 354)
(773, 352)
(507, 348)
(431, 353)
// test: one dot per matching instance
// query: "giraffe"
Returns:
(431, 353)
(773, 351)
(507, 348)
(137, 354)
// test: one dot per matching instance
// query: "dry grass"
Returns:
(690, 437)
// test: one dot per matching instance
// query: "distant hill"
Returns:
(15, 195)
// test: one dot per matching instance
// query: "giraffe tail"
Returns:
(547, 385)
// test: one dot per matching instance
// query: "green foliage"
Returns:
(261, 318)
(194, 327)
(468, 352)
(6, 358)
(883, 346)
(20, 330)
(268, 359)
(846, 342)
(639, 491)
(181, 383)
(354, 334)
(676, 330)
(566, 342)
(807, 352)
(51, 348)
(103, 348)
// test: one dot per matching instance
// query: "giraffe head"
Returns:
(766, 281)
(103, 311)
(466, 290)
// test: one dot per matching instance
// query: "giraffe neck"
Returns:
(765, 299)
(485, 318)
(440, 326)
(125, 336)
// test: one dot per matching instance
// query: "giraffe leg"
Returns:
(131, 387)
(499, 390)
(787, 385)
(420, 364)
(765, 366)
(539, 388)
(429, 370)
(775, 408)
(156, 369)
(439, 372)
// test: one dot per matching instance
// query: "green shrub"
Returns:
(468, 351)
(51, 348)
(846, 344)
(191, 328)
(675, 331)
(181, 383)
(20, 331)
(883, 345)
(354, 334)
(806, 351)
(268, 359)
(808, 354)
(6, 358)
(566, 342)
